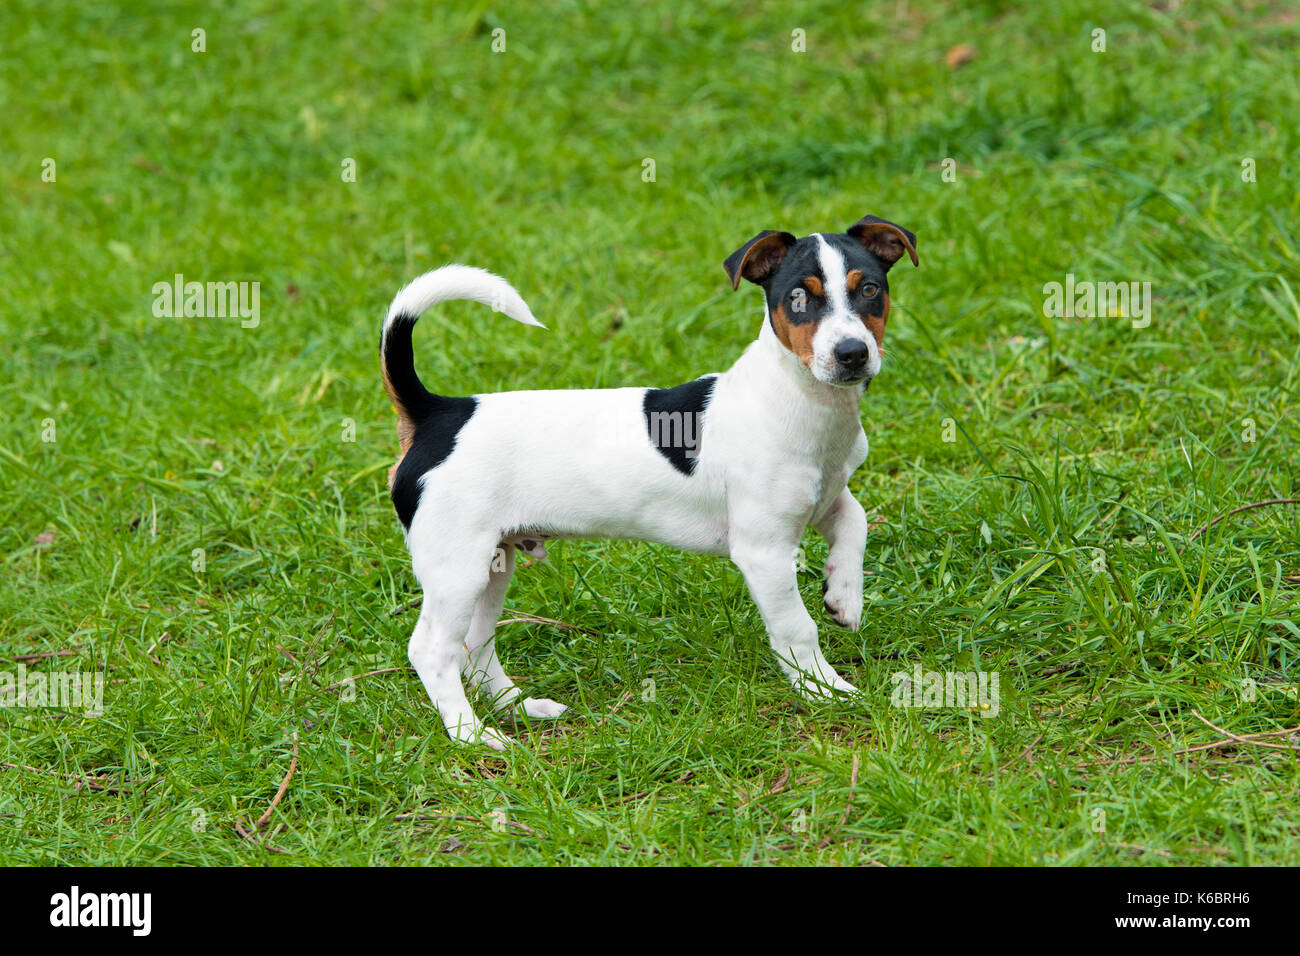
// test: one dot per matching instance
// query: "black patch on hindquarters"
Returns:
(674, 420)
(435, 439)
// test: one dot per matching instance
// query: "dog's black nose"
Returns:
(851, 353)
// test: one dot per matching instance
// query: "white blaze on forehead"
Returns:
(834, 273)
(841, 324)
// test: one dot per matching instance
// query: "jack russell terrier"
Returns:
(736, 463)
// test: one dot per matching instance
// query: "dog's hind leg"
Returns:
(483, 667)
(452, 587)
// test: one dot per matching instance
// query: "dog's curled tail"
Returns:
(396, 359)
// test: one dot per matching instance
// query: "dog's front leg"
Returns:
(768, 563)
(844, 526)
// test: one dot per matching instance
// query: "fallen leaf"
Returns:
(122, 251)
(959, 56)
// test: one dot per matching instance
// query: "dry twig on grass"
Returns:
(1249, 507)
(1230, 741)
(78, 780)
(251, 833)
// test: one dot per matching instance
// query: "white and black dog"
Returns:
(737, 463)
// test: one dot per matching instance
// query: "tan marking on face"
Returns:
(876, 323)
(405, 425)
(814, 285)
(796, 338)
(853, 280)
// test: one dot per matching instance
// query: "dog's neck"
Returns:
(808, 418)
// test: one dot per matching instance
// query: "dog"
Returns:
(734, 463)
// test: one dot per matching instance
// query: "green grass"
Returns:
(1074, 438)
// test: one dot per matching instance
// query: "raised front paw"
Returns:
(842, 596)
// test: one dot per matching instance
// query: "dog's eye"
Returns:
(869, 289)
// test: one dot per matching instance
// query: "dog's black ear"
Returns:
(758, 259)
(887, 240)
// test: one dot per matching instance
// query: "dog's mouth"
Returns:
(849, 380)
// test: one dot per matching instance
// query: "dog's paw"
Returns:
(842, 598)
(478, 734)
(494, 739)
(816, 679)
(829, 687)
(541, 708)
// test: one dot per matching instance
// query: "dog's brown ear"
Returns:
(759, 258)
(886, 239)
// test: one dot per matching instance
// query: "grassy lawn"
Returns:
(197, 509)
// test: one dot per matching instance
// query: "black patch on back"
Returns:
(435, 439)
(674, 420)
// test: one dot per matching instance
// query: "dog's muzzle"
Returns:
(851, 357)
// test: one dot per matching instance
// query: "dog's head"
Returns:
(827, 294)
